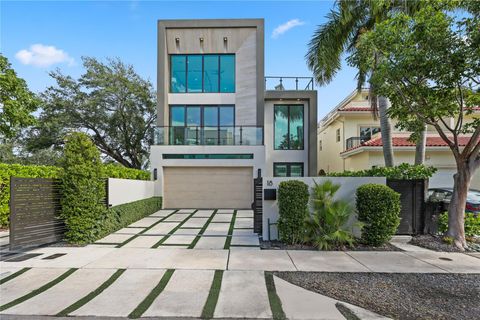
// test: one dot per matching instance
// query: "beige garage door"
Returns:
(208, 187)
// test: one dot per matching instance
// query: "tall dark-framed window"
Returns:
(288, 127)
(366, 133)
(288, 169)
(217, 122)
(202, 73)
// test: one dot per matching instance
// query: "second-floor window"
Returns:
(197, 73)
(288, 127)
(338, 136)
(366, 133)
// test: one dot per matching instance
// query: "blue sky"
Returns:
(127, 29)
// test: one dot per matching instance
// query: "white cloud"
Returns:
(281, 29)
(40, 55)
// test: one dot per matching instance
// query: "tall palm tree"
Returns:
(346, 23)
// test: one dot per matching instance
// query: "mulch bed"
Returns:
(277, 245)
(436, 243)
(398, 295)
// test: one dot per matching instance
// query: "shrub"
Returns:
(327, 226)
(472, 224)
(378, 209)
(292, 205)
(18, 170)
(83, 189)
(404, 171)
(112, 170)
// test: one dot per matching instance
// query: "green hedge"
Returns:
(293, 208)
(404, 171)
(378, 209)
(35, 171)
(472, 224)
(18, 170)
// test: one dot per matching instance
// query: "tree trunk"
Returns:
(386, 131)
(456, 210)
(420, 147)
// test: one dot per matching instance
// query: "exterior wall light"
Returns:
(177, 39)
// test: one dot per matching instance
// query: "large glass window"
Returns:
(227, 73)
(202, 73)
(178, 80)
(288, 127)
(366, 133)
(284, 169)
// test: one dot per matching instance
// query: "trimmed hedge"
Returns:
(22, 171)
(36, 171)
(404, 171)
(378, 209)
(472, 224)
(293, 209)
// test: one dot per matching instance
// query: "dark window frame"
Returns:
(289, 167)
(288, 126)
(338, 135)
(203, 71)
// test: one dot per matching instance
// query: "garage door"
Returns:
(208, 187)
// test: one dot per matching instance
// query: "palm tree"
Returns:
(346, 23)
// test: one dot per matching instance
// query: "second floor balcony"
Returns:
(208, 136)
(289, 83)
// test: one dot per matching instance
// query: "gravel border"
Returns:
(436, 243)
(277, 245)
(398, 295)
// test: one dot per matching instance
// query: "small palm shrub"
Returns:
(293, 208)
(327, 227)
(378, 209)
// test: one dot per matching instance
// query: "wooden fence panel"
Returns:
(34, 212)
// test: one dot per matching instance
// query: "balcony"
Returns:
(289, 83)
(209, 136)
(354, 142)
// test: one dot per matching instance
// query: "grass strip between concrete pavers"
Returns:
(213, 294)
(13, 275)
(83, 301)
(38, 290)
(228, 241)
(146, 229)
(159, 243)
(202, 230)
(147, 302)
(275, 303)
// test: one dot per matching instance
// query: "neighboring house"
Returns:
(349, 139)
(218, 125)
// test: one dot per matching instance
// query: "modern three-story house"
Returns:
(220, 120)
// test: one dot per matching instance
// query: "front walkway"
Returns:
(150, 272)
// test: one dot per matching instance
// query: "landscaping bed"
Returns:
(436, 243)
(278, 245)
(398, 295)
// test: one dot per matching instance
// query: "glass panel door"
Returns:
(193, 125)
(210, 123)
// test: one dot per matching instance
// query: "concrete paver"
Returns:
(187, 232)
(162, 213)
(243, 223)
(244, 232)
(129, 230)
(245, 241)
(217, 229)
(163, 228)
(186, 211)
(203, 214)
(143, 242)
(211, 243)
(243, 295)
(328, 261)
(184, 296)
(221, 211)
(5, 272)
(115, 238)
(63, 294)
(124, 295)
(393, 262)
(177, 217)
(27, 282)
(244, 213)
(145, 222)
(272, 260)
(222, 218)
(298, 303)
(449, 261)
(179, 239)
(195, 223)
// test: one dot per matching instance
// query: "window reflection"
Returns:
(288, 127)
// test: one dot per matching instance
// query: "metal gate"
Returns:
(257, 205)
(34, 212)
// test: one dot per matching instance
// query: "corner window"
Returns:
(197, 73)
(338, 135)
(288, 127)
(284, 169)
(366, 133)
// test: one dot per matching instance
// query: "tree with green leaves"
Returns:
(17, 102)
(340, 34)
(431, 73)
(110, 102)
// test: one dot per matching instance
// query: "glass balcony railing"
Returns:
(209, 136)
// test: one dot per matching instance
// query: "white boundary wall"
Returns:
(122, 191)
(346, 192)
